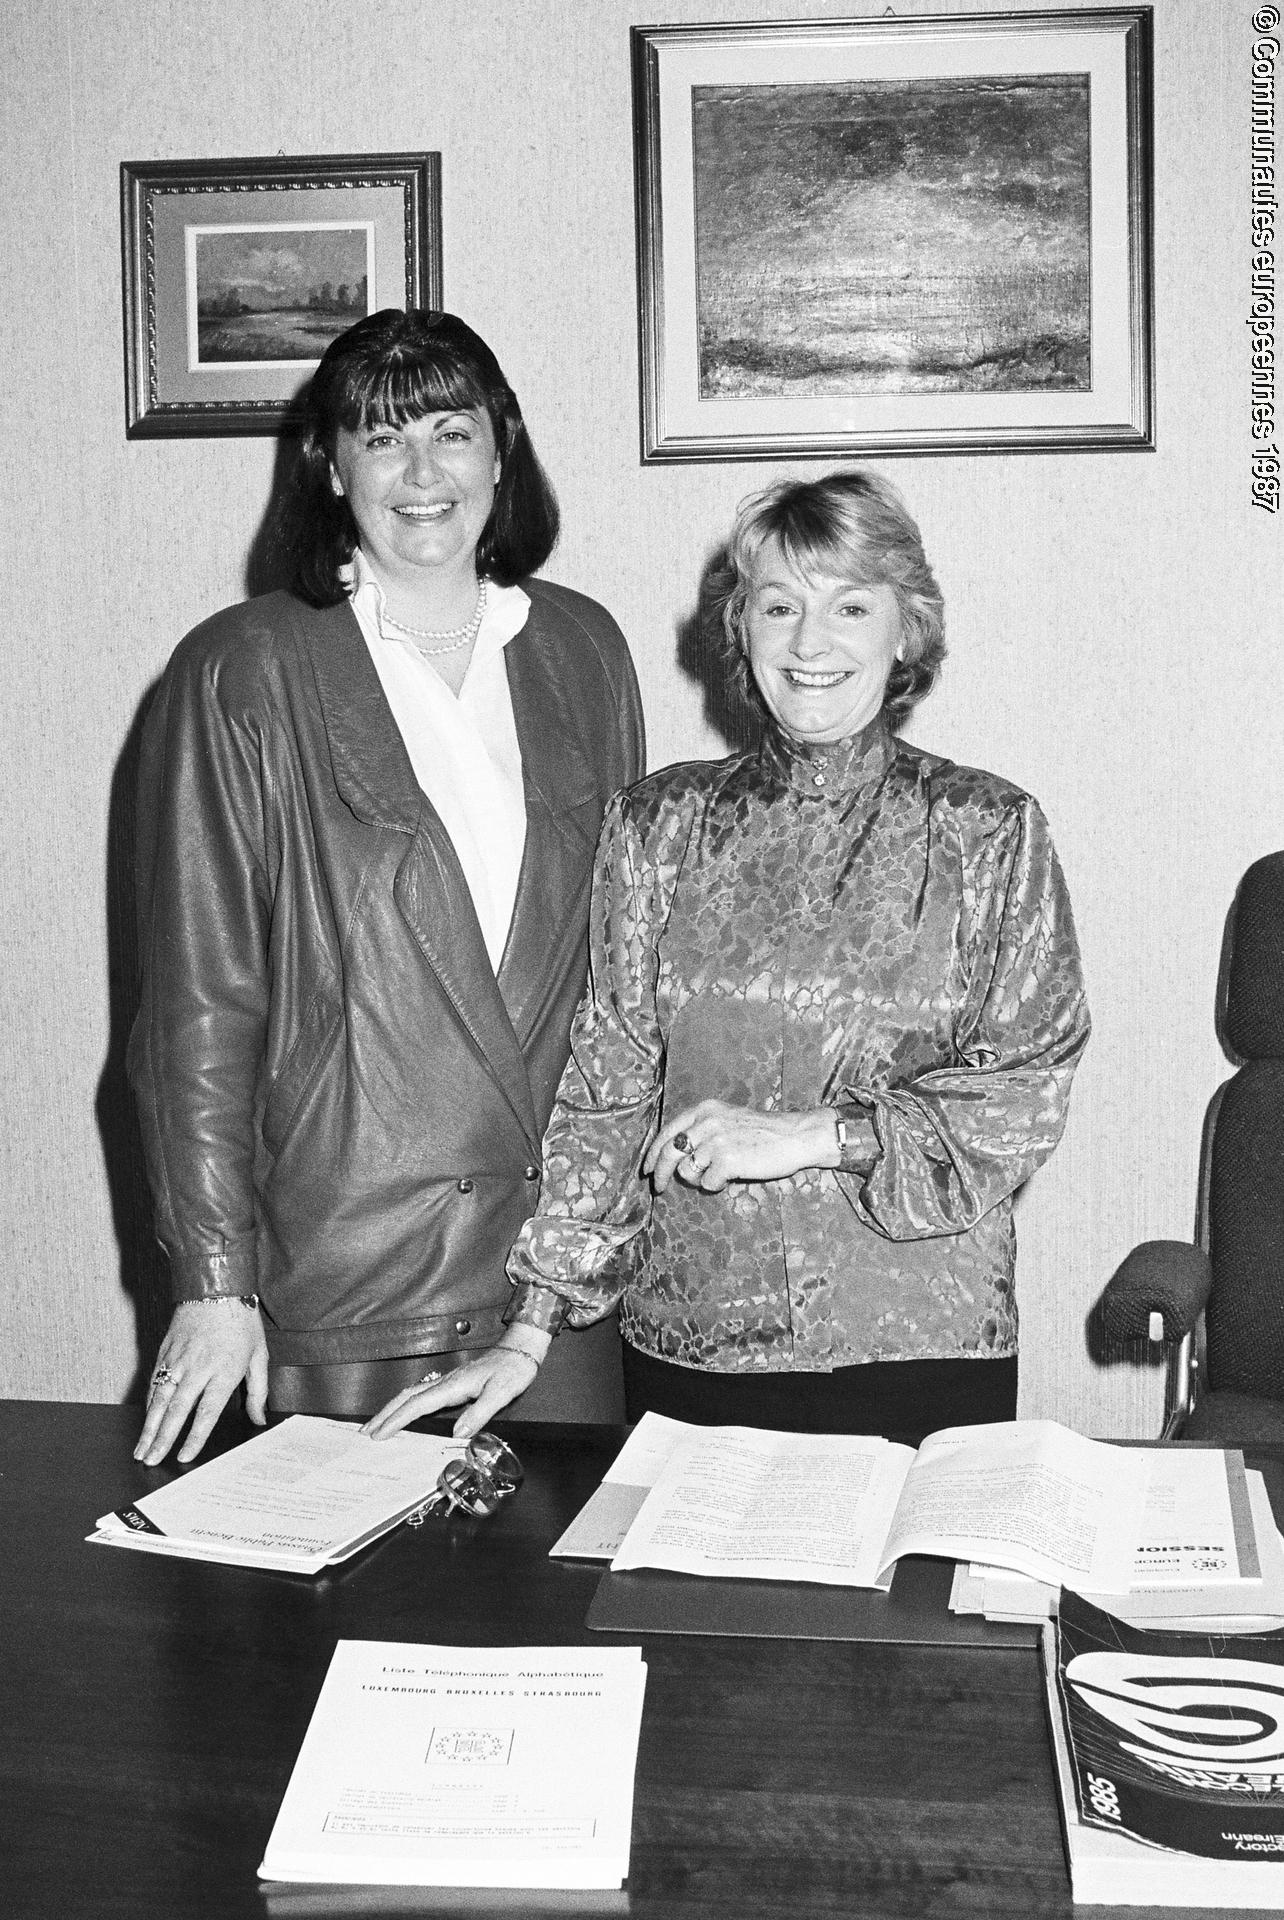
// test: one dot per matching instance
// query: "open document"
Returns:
(465, 1766)
(297, 1498)
(842, 1509)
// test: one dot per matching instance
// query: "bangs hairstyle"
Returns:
(387, 369)
(849, 526)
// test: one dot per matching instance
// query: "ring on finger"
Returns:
(682, 1141)
(430, 1379)
(161, 1378)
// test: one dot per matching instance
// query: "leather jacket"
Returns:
(341, 1105)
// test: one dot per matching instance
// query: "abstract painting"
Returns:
(895, 235)
(914, 236)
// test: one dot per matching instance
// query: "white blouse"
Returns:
(463, 747)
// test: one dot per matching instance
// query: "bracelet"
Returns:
(250, 1300)
(537, 1364)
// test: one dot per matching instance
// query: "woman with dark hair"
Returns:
(834, 1010)
(389, 370)
(367, 816)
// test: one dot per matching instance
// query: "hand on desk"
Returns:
(209, 1349)
(489, 1381)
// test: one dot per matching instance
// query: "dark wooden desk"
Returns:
(151, 1710)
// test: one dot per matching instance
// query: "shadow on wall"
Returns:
(142, 1264)
(698, 657)
(266, 567)
(143, 1268)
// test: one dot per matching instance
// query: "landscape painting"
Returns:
(910, 236)
(274, 293)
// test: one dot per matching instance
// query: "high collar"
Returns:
(839, 768)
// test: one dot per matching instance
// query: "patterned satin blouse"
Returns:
(867, 926)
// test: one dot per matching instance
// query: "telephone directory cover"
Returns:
(465, 1767)
(1170, 1760)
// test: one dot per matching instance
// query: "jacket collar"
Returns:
(371, 766)
(563, 813)
(372, 769)
(374, 777)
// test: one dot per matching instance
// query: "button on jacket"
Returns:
(866, 926)
(340, 1102)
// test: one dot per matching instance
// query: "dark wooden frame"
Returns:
(409, 184)
(678, 424)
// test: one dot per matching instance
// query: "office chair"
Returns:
(1217, 1307)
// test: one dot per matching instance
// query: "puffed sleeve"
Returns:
(571, 1261)
(197, 1047)
(950, 1144)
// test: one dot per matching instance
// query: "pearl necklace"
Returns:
(453, 637)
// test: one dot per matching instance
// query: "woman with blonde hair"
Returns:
(834, 1010)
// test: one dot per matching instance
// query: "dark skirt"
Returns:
(903, 1400)
(578, 1382)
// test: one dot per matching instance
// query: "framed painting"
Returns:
(892, 236)
(239, 273)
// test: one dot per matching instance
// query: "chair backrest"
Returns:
(1244, 1181)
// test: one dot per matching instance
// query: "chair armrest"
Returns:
(1170, 1278)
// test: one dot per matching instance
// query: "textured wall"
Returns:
(1114, 619)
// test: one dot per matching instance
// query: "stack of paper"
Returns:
(465, 1766)
(297, 1498)
(1210, 1556)
(597, 1532)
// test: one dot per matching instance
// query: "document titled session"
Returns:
(841, 1509)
